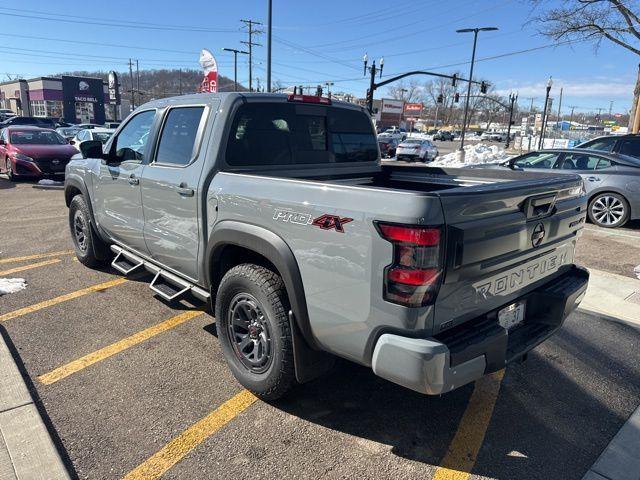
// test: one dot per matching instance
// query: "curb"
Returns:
(27, 450)
(620, 460)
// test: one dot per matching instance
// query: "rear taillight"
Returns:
(413, 279)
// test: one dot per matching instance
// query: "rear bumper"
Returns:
(478, 347)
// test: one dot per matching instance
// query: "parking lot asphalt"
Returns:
(136, 388)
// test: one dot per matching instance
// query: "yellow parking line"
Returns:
(35, 257)
(29, 267)
(179, 447)
(464, 448)
(110, 350)
(61, 298)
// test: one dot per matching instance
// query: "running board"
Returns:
(126, 262)
(168, 286)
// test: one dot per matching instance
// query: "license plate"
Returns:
(511, 316)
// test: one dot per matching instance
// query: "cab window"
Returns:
(604, 144)
(132, 139)
(178, 136)
(631, 147)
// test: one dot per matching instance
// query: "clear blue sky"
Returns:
(314, 42)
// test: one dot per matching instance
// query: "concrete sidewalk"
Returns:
(613, 296)
(27, 451)
(617, 298)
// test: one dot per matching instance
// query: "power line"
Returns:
(250, 43)
(108, 22)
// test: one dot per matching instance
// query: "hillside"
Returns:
(161, 83)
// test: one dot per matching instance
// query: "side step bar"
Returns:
(165, 284)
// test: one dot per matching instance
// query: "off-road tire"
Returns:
(90, 249)
(267, 290)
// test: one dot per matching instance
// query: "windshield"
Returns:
(103, 137)
(37, 138)
(412, 141)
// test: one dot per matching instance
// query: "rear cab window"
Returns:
(281, 134)
(631, 147)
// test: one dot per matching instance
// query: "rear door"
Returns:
(585, 165)
(504, 240)
(170, 190)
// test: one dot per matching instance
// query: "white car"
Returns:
(102, 134)
(494, 136)
(415, 149)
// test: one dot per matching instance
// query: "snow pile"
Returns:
(474, 154)
(637, 271)
(48, 182)
(12, 285)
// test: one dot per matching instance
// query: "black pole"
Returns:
(466, 103)
(512, 98)
(132, 95)
(544, 117)
(235, 71)
(372, 70)
(269, 48)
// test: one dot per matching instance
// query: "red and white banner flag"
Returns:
(210, 66)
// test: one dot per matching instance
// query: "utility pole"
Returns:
(250, 43)
(559, 108)
(137, 79)
(269, 46)
(544, 113)
(513, 98)
(235, 65)
(180, 81)
(132, 97)
(572, 107)
(372, 80)
(610, 109)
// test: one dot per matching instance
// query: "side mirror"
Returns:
(72, 142)
(91, 149)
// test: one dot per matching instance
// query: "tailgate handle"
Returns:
(538, 207)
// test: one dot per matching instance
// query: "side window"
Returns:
(179, 135)
(132, 140)
(605, 144)
(603, 163)
(537, 160)
(577, 161)
(631, 146)
(82, 135)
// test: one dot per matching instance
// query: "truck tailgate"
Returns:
(504, 240)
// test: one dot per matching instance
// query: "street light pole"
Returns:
(544, 113)
(269, 47)
(372, 70)
(235, 65)
(513, 98)
(466, 103)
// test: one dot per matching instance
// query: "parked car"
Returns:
(33, 152)
(29, 121)
(6, 113)
(113, 125)
(387, 146)
(82, 135)
(624, 144)
(611, 180)
(432, 280)
(67, 132)
(417, 150)
(494, 136)
(443, 135)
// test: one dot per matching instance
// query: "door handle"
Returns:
(593, 179)
(185, 191)
(133, 180)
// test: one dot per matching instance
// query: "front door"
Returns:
(170, 191)
(118, 199)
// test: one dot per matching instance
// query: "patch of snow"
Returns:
(47, 181)
(12, 285)
(637, 271)
(474, 154)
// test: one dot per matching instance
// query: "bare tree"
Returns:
(410, 91)
(615, 21)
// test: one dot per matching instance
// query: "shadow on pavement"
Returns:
(554, 416)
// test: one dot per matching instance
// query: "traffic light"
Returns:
(440, 98)
(483, 87)
(456, 97)
(454, 80)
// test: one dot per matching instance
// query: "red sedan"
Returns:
(32, 152)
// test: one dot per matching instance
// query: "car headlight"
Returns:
(24, 158)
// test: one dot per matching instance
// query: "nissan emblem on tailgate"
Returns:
(537, 235)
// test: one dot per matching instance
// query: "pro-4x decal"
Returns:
(331, 222)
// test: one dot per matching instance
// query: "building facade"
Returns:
(73, 99)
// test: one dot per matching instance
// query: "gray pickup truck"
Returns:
(277, 212)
